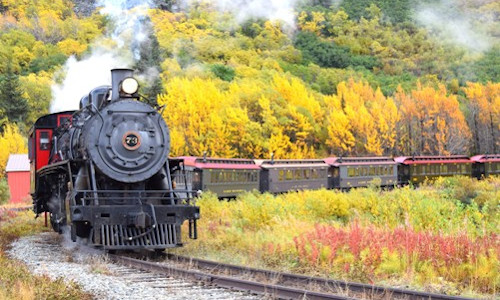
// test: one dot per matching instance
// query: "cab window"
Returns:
(44, 140)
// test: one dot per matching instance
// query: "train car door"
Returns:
(42, 147)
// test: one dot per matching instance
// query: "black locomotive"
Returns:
(104, 171)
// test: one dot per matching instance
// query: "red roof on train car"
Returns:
(290, 163)
(356, 161)
(417, 160)
(219, 163)
(486, 158)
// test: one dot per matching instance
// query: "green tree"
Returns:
(12, 100)
(330, 55)
(225, 73)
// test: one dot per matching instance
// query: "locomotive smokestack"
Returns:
(117, 76)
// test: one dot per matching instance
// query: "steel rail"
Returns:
(16, 209)
(294, 279)
(276, 291)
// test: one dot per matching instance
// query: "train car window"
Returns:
(298, 175)
(335, 172)
(44, 140)
(281, 175)
(350, 172)
(356, 172)
(196, 178)
(444, 169)
(314, 174)
(364, 171)
(372, 171)
(289, 175)
(307, 173)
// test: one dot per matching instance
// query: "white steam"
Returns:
(275, 10)
(81, 77)
(118, 49)
(453, 25)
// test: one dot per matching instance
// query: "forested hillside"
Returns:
(349, 79)
(371, 77)
(36, 38)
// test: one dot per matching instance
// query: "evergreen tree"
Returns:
(149, 66)
(12, 101)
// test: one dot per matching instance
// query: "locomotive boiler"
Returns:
(104, 171)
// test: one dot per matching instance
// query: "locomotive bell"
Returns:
(124, 85)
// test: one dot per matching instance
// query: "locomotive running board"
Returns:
(123, 237)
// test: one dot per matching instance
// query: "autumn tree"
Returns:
(433, 122)
(483, 103)
(11, 141)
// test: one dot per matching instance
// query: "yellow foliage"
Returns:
(71, 47)
(11, 142)
(193, 108)
(37, 91)
(313, 23)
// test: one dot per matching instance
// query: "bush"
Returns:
(330, 55)
(225, 73)
(4, 191)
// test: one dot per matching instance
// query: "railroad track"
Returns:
(21, 208)
(273, 284)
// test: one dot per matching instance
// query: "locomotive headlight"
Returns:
(129, 86)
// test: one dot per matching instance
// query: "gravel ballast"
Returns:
(48, 254)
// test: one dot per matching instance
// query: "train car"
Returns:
(224, 176)
(417, 169)
(104, 171)
(349, 172)
(280, 176)
(485, 165)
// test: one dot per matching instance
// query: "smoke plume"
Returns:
(282, 10)
(456, 23)
(119, 48)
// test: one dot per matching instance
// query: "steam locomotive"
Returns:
(104, 171)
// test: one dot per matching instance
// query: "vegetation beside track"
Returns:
(442, 237)
(16, 281)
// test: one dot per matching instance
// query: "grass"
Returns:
(443, 236)
(16, 281)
